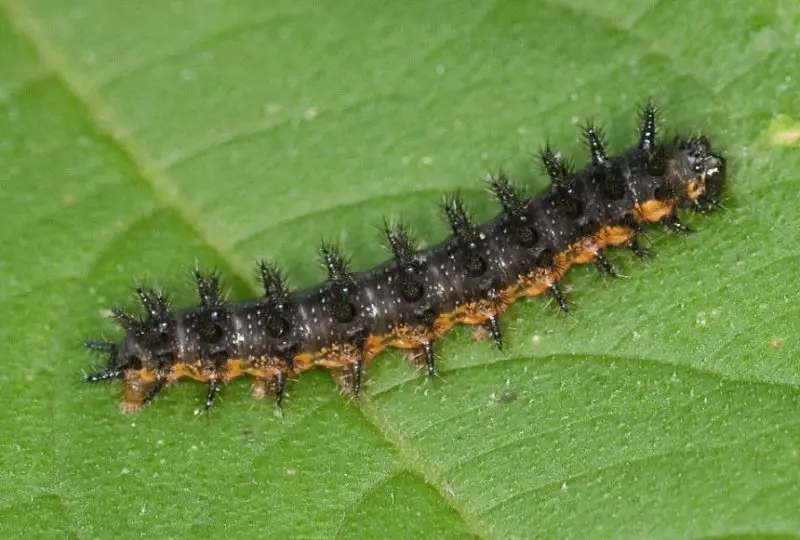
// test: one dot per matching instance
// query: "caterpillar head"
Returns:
(707, 174)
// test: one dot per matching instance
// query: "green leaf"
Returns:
(141, 138)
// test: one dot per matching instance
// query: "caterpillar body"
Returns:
(413, 299)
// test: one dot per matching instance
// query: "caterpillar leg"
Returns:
(605, 266)
(674, 224)
(560, 298)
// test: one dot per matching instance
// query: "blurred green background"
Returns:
(138, 139)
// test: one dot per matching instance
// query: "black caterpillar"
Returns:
(418, 295)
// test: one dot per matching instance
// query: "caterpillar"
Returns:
(413, 299)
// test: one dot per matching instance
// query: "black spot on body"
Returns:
(588, 228)
(134, 362)
(276, 325)
(545, 258)
(344, 312)
(214, 334)
(611, 182)
(525, 235)
(568, 203)
(664, 192)
(411, 290)
(476, 266)
(427, 316)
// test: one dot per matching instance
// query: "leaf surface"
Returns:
(141, 138)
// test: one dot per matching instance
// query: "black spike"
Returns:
(213, 388)
(273, 280)
(560, 298)
(335, 263)
(340, 285)
(460, 222)
(155, 302)
(647, 131)
(100, 346)
(594, 140)
(557, 169)
(208, 289)
(400, 240)
(507, 195)
(604, 265)
(104, 375)
(561, 173)
(493, 325)
(126, 320)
